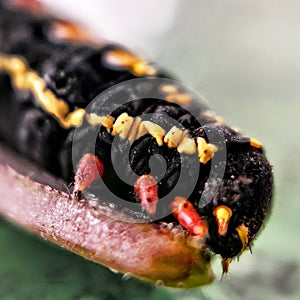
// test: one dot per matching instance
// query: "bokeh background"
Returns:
(243, 57)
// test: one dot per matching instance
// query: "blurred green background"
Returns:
(241, 55)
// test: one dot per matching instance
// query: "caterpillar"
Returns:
(106, 120)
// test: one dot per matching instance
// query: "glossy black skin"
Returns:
(77, 73)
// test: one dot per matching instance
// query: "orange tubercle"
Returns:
(89, 169)
(64, 30)
(147, 191)
(255, 143)
(126, 59)
(188, 217)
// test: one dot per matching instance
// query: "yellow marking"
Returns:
(74, 118)
(123, 58)
(120, 122)
(142, 130)
(169, 89)
(187, 145)
(223, 215)
(127, 126)
(243, 231)
(24, 78)
(106, 121)
(178, 138)
(27, 80)
(63, 30)
(219, 120)
(180, 98)
(174, 136)
(255, 143)
(173, 95)
(12, 64)
(126, 129)
(134, 129)
(155, 130)
(142, 68)
(205, 150)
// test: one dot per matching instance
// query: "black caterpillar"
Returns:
(50, 72)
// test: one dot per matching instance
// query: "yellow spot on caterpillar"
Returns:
(69, 31)
(120, 124)
(173, 95)
(134, 129)
(142, 68)
(179, 98)
(106, 121)
(126, 128)
(219, 120)
(255, 143)
(178, 138)
(142, 130)
(243, 231)
(187, 145)
(155, 130)
(205, 150)
(169, 89)
(223, 214)
(174, 137)
(123, 58)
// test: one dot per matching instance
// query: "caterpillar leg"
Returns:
(146, 190)
(89, 169)
(187, 216)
